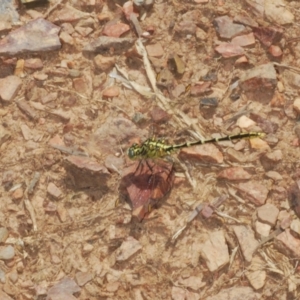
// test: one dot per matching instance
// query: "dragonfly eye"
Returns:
(131, 153)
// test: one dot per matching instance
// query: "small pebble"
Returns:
(3, 234)
(7, 252)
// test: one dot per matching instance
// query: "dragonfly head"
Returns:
(132, 152)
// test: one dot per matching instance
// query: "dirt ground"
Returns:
(225, 226)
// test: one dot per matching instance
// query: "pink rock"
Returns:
(80, 85)
(254, 191)
(268, 213)
(27, 39)
(155, 50)
(206, 152)
(86, 172)
(115, 30)
(104, 63)
(275, 51)
(234, 173)
(246, 239)
(244, 40)
(186, 27)
(200, 88)
(268, 35)
(9, 87)
(229, 50)
(257, 7)
(54, 191)
(110, 92)
(226, 28)
(242, 60)
(128, 9)
(245, 20)
(83, 277)
(287, 242)
(215, 251)
(159, 115)
(63, 290)
(260, 82)
(33, 64)
(18, 194)
(84, 31)
(128, 248)
(68, 14)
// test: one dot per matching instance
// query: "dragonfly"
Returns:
(150, 179)
(152, 148)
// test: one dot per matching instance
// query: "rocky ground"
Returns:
(81, 81)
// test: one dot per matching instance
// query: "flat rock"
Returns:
(267, 213)
(186, 27)
(7, 252)
(83, 277)
(4, 296)
(291, 79)
(83, 85)
(68, 14)
(260, 82)
(110, 92)
(229, 50)
(255, 274)
(86, 172)
(274, 175)
(179, 293)
(115, 30)
(276, 12)
(3, 234)
(207, 152)
(155, 50)
(192, 282)
(257, 7)
(244, 40)
(104, 63)
(128, 248)
(236, 156)
(8, 11)
(245, 20)
(269, 159)
(27, 39)
(268, 35)
(256, 192)
(226, 28)
(104, 43)
(262, 228)
(66, 38)
(247, 242)
(201, 34)
(54, 191)
(286, 242)
(259, 144)
(296, 105)
(9, 87)
(245, 122)
(215, 251)
(64, 289)
(235, 293)
(33, 64)
(4, 135)
(295, 227)
(200, 88)
(234, 173)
